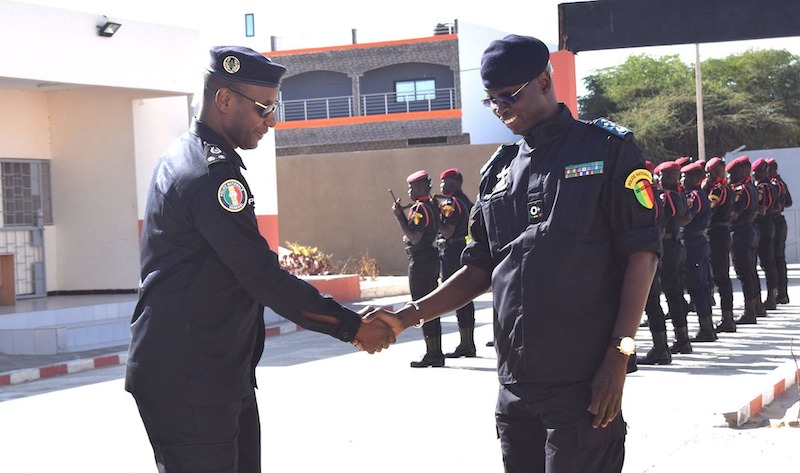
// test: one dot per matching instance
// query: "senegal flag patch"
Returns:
(640, 181)
(232, 195)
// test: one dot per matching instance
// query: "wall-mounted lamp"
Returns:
(108, 28)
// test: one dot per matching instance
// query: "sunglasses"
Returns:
(265, 109)
(503, 99)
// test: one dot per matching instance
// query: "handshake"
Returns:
(379, 328)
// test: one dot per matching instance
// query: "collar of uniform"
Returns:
(205, 133)
(551, 128)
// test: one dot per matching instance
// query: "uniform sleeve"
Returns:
(233, 235)
(420, 217)
(477, 251)
(451, 212)
(630, 201)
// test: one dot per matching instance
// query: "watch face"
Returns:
(627, 346)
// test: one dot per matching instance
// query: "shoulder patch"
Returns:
(232, 195)
(612, 128)
(502, 151)
(213, 154)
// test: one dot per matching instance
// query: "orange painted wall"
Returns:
(564, 79)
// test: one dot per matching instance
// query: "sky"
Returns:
(303, 23)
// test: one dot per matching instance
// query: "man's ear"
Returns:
(545, 81)
(222, 99)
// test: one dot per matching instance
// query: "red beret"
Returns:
(417, 176)
(758, 163)
(738, 161)
(696, 166)
(452, 172)
(769, 160)
(666, 166)
(682, 160)
(649, 165)
(714, 162)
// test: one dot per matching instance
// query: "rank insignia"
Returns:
(640, 182)
(583, 169)
(232, 195)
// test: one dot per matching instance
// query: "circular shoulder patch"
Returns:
(232, 195)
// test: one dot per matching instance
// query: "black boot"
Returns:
(631, 368)
(772, 300)
(467, 346)
(761, 311)
(682, 343)
(749, 316)
(659, 354)
(433, 355)
(706, 332)
(783, 296)
(727, 325)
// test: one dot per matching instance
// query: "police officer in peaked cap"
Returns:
(197, 332)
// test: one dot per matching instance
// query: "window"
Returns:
(249, 25)
(411, 90)
(26, 200)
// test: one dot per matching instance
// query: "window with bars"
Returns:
(26, 199)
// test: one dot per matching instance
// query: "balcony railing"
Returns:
(371, 104)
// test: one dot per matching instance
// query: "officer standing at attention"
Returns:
(765, 223)
(568, 209)
(744, 237)
(698, 251)
(420, 227)
(673, 213)
(453, 229)
(197, 332)
(783, 200)
(719, 237)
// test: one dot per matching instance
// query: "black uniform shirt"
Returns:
(767, 194)
(455, 211)
(745, 202)
(675, 210)
(198, 328)
(784, 196)
(557, 216)
(700, 210)
(423, 217)
(721, 199)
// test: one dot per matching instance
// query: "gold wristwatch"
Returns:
(625, 345)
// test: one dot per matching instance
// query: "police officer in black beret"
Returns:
(564, 232)
(744, 236)
(206, 275)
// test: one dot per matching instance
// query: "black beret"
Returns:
(513, 60)
(241, 64)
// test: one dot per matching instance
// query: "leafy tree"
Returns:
(751, 99)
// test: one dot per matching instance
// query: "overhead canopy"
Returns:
(613, 24)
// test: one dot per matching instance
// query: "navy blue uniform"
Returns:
(558, 214)
(745, 237)
(698, 252)
(423, 258)
(765, 224)
(783, 200)
(719, 237)
(455, 211)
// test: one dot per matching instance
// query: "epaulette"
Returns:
(213, 154)
(502, 151)
(612, 128)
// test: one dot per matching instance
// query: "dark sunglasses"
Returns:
(265, 109)
(504, 99)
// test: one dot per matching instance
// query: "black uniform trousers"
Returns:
(655, 313)
(744, 245)
(766, 251)
(545, 428)
(672, 270)
(423, 277)
(781, 230)
(719, 237)
(698, 254)
(224, 438)
(451, 262)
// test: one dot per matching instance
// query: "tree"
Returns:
(751, 99)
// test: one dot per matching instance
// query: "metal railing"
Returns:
(371, 104)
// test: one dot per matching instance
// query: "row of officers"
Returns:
(711, 214)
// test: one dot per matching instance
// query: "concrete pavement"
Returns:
(325, 407)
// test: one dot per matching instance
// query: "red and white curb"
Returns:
(75, 366)
(778, 381)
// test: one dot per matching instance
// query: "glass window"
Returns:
(249, 25)
(25, 189)
(411, 90)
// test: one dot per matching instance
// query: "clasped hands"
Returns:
(379, 329)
